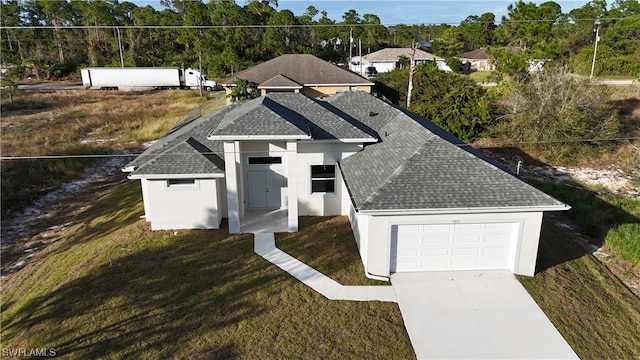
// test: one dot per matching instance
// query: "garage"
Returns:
(453, 246)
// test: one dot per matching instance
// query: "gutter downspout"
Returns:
(376, 277)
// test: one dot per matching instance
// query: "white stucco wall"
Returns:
(326, 153)
(383, 67)
(183, 207)
(375, 237)
(360, 227)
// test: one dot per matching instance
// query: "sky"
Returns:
(403, 11)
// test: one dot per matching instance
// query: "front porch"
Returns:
(264, 221)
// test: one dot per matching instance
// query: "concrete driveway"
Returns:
(475, 315)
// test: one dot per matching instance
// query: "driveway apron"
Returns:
(475, 315)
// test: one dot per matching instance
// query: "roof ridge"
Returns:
(234, 114)
(400, 169)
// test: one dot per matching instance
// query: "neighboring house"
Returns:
(478, 60)
(418, 199)
(303, 73)
(387, 59)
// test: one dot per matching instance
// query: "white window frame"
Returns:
(334, 178)
(182, 184)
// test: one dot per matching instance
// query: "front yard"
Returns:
(108, 287)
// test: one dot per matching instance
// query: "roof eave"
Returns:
(483, 210)
(258, 137)
(347, 141)
(174, 176)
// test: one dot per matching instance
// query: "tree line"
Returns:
(56, 38)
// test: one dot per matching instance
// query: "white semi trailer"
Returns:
(143, 78)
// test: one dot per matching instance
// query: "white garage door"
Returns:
(438, 247)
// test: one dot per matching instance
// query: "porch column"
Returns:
(292, 185)
(231, 176)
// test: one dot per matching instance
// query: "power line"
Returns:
(97, 156)
(262, 26)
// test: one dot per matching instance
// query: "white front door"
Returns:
(264, 189)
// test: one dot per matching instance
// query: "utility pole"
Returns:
(360, 55)
(412, 70)
(350, 46)
(595, 49)
(200, 68)
(120, 47)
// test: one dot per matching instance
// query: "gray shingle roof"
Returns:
(290, 114)
(418, 166)
(185, 150)
(414, 165)
(302, 68)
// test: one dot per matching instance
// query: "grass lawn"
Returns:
(327, 245)
(108, 287)
(481, 76)
(597, 315)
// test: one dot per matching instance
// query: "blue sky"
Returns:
(403, 11)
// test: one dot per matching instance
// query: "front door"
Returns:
(264, 189)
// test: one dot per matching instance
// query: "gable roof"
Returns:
(279, 81)
(478, 54)
(392, 54)
(303, 69)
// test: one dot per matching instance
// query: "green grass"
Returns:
(56, 123)
(591, 308)
(481, 76)
(328, 245)
(611, 220)
(108, 287)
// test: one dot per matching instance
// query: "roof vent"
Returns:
(371, 113)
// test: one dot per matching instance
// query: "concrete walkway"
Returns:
(265, 246)
(475, 315)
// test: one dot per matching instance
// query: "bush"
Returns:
(566, 117)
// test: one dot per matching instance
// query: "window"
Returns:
(264, 160)
(323, 178)
(181, 182)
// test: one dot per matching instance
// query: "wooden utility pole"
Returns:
(412, 70)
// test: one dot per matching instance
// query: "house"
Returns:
(302, 73)
(388, 59)
(478, 60)
(418, 199)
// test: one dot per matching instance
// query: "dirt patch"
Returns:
(611, 179)
(623, 270)
(38, 225)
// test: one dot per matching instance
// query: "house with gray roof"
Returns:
(303, 73)
(418, 199)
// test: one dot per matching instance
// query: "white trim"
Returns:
(174, 176)
(345, 141)
(334, 178)
(182, 187)
(258, 137)
(466, 210)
